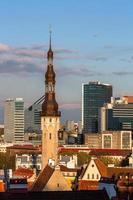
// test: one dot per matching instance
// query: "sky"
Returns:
(92, 40)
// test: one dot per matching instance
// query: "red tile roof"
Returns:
(101, 167)
(119, 170)
(26, 146)
(88, 185)
(66, 169)
(23, 172)
(111, 152)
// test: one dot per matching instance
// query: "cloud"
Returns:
(4, 48)
(108, 46)
(79, 71)
(28, 59)
(96, 58)
(76, 105)
(30, 53)
(18, 67)
(95, 35)
(122, 73)
(66, 51)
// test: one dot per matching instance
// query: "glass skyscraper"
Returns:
(94, 95)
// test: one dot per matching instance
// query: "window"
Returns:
(74, 174)
(107, 141)
(92, 176)
(58, 185)
(50, 120)
(125, 140)
(88, 176)
(24, 159)
(50, 136)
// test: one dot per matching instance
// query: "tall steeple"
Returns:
(50, 106)
(51, 178)
(50, 116)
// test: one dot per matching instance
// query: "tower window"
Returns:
(50, 136)
(50, 120)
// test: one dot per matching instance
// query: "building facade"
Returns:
(14, 120)
(110, 140)
(116, 116)
(28, 161)
(33, 118)
(94, 95)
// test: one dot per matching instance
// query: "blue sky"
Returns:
(92, 40)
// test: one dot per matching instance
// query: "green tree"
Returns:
(83, 158)
(110, 160)
(7, 161)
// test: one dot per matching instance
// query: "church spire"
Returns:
(50, 52)
(50, 33)
(50, 106)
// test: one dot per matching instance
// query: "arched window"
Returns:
(50, 120)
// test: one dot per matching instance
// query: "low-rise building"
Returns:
(28, 161)
(96, 169)
(109, 140)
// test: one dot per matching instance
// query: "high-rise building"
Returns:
(94, 95)
(14, 120)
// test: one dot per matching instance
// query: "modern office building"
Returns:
(32, 117)
(94, 95)
(116, 116)
(14, 120)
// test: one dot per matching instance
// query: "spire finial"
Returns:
(50, 32)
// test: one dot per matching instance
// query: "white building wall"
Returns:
(92, 172)
(102, 119)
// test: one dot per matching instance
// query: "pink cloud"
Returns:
(4, 48)
(70, 106)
